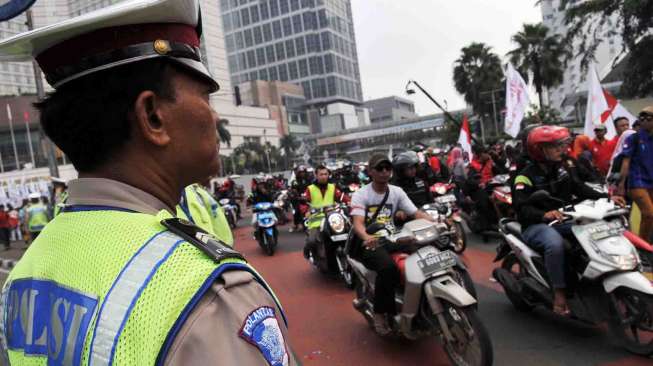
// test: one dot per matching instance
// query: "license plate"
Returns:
(447, 199)
(436, 262)
(340, 237)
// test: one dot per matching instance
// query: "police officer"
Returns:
(405, 176)
(198, 206)
(36, 215)
(116, 278)
(320, 194)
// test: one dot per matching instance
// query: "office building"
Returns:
(307, 42)
(390, 109)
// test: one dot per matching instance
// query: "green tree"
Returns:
(541, 54)
(289, 144)
(592, 22)
(477, 69)
(223, 134)
(544, 115)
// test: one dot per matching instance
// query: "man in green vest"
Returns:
(117, 278)
(320, 194)
(60, 194)
(198, 206)
(36, 215)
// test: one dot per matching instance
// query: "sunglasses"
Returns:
(383, 167)
(645, 117)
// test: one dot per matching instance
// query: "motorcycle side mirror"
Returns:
(374, 228)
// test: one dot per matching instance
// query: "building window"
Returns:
(326, 41)
(319, 88)
(273, 73)
(267, 32)
(283, 7)
(260, 56)
(322, 16)
(235, 17)
(233, 64)
(258, 36)
(253, 13)
(287, 27)
(265, 11)
(332, 90)
(281, 54)
(293, 73)
(269, 53)
(253, 75)
(328, 63)
(290, 48)
(308, 3)
(303, 68)
(310, 20)
(299, 46)
(307, 89)
(244, 15)
(283, 72)
(276, 30)
(312, 43)
(294, 5)
(274, 8)
(251, 59)
(263, 74)
(297, 24)
(227, 23)
(249, 40)
(242, 61)
(229, 41)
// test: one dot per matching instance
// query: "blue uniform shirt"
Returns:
(640, 174)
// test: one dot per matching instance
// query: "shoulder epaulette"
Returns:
(207, 243)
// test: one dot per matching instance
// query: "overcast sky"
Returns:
(420, 39)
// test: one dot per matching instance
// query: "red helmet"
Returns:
(545, 135)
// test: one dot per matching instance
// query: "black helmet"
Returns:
(405, 160)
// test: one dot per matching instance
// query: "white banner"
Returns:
(596, 103)
(516, 101)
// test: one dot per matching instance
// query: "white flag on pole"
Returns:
(465, 138)
(596, 102)
(516, 101)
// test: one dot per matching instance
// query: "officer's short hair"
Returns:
(321, 167)
(88, 118)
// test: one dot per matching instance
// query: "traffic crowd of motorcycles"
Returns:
(607, 264)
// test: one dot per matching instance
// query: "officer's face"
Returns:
(322, 176)
(193, 128)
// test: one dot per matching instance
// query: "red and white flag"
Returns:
(465, 138)
(516, 101)
(615, 110)
(596, 103)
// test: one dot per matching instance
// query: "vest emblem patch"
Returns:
(262, 330)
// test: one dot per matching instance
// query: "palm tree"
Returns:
(288, 144)
(542, 54)
(477, 69)
(223, 134)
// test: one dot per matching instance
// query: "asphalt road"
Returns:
(326, 330)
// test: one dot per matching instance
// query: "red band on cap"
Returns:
(71, 51)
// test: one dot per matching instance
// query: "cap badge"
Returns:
(162, 47)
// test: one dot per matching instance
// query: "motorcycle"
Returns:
(230, 211)
(449, 224)
(437, 297)
(328, 254)
(604, 281)
(266, 232)
(281, 206)
(501, 195)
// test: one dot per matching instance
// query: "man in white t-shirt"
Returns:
(365, 203)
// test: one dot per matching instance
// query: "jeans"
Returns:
(387, 279)
(549, 241)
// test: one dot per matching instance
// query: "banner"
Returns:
(516, 101)
(596, 103)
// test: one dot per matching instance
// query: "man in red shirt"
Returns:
(602, 149)
(484, 165)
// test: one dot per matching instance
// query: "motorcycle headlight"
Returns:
(337, 223)
(625, 262)
(426, 234)
(441, 190)
(433, 213)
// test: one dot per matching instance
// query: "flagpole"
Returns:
(13, 138)
(29, 139)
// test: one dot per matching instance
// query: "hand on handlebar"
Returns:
(371, 242)
(619, 200)
(554, 215)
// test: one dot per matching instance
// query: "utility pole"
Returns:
(40, 92)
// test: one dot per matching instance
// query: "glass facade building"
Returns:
(307, 42)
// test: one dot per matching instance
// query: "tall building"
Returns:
(307, 42)
(574, 78)
(390, 109)
(245, 123)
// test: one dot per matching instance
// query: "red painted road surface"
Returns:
(326, 330)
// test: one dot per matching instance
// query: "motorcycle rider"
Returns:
(320, 194)
(378, 202)
(405, 176)
(347, 175)
(546, 146)
(298, 186)
(228, 190)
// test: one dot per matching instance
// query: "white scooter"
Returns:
(604, 282)
(437, 297)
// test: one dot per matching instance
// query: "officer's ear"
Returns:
(149, 118)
